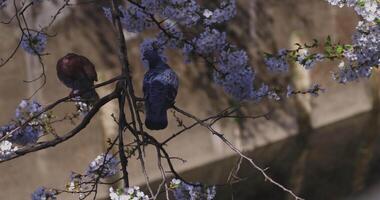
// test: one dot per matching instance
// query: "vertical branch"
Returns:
(125, 70)
(123, 95)
(127, 94)
(122, 125)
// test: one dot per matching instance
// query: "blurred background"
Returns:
(324, 147)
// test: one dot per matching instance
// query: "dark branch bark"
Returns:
(70, 134)
(122, 124)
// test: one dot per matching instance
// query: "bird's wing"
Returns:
(89, 69)
(156, 104)
(160, 96)
(148, 77)
(169, 78)
(160, 87)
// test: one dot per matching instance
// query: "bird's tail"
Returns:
(156, 118)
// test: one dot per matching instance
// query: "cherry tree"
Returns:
(193, 29)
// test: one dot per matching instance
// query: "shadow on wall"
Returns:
(341, 160)
(266, 26)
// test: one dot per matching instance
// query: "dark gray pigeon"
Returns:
(160, 88)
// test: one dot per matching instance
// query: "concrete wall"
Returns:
(261, 25)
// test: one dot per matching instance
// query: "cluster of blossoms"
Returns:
(34, 42)
(132, 193)
(184, 191)
(226, 11)
(44, 194)
(7, 149)
(363, 56)
(346, 73)
(104, 165)
(277, 63)
(234, 74)
(3, 3)
(75, 183)
(183, 11)
(31, 131)
(24, 129)
(357, 59)
(82, 107)
(79, 184)
(134, 19)
(364, 53)
(368, 9)
(210, 41)
(232, 70)
(189, 12)
(308, 60)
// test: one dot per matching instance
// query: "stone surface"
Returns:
(261, 27)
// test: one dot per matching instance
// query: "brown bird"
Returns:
(78, 73)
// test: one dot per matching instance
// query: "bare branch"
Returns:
(86, 120)
(236, 150)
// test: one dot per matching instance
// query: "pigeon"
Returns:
(78, 73)
(160, 88)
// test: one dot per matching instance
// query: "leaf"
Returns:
(339, 49)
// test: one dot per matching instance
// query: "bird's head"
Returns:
(152, 57)
(71, 55)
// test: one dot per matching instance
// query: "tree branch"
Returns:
(70, 134)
